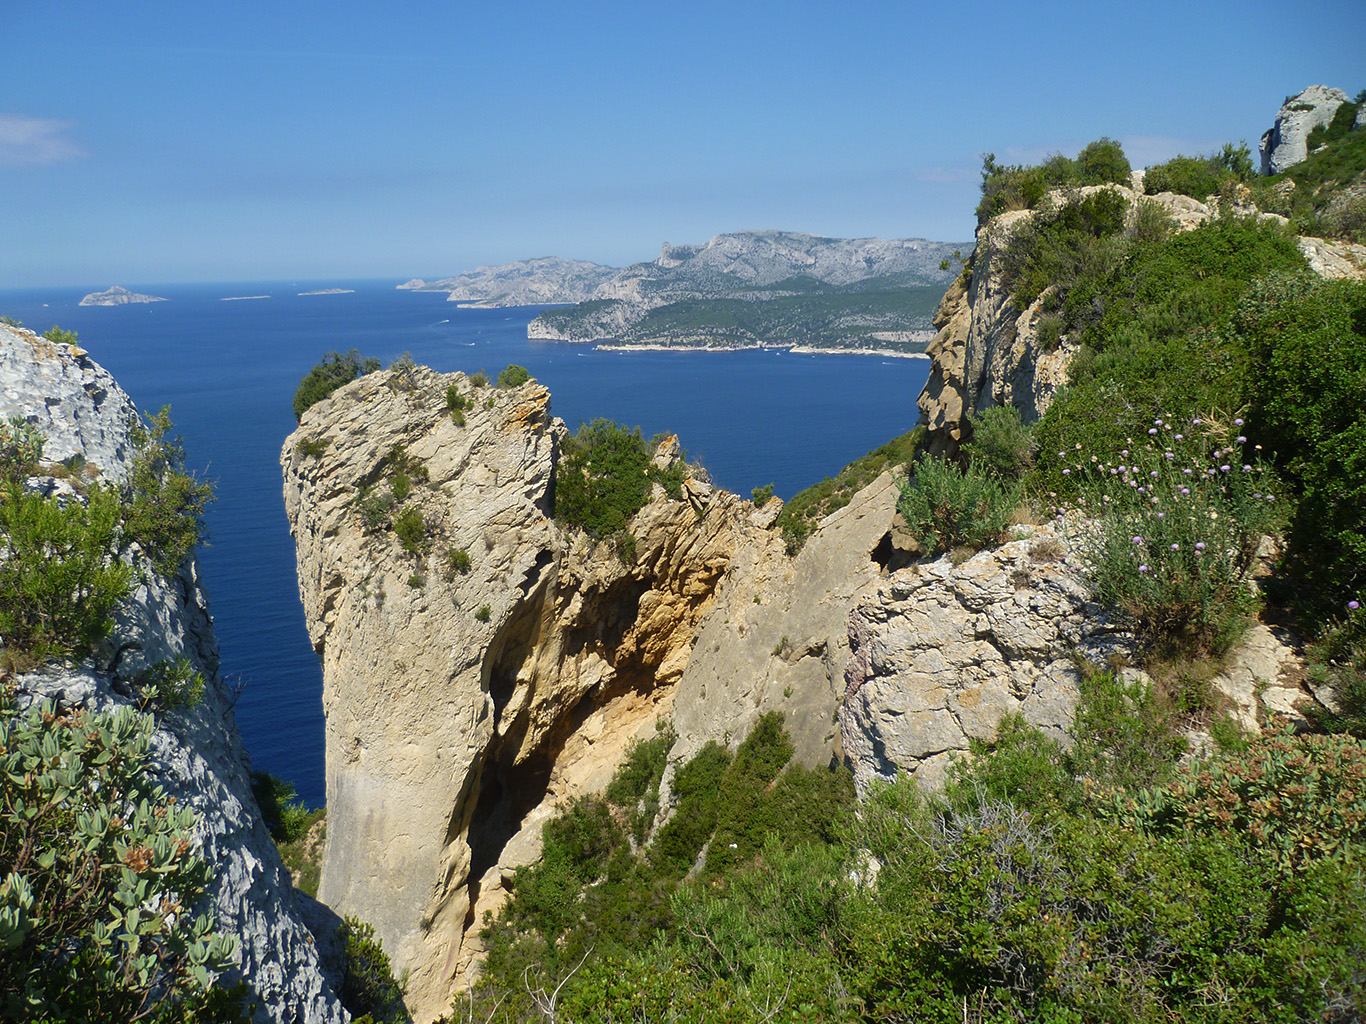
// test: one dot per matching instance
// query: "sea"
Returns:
(227, 357)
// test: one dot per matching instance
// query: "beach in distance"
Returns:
(229, 370)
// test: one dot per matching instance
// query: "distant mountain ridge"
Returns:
(544, 281)
(778, 288)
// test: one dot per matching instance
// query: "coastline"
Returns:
(799, 350)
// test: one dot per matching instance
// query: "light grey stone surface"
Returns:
(1285, 143)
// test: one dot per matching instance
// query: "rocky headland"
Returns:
(755, 289)
(548, 280)
(117, 296)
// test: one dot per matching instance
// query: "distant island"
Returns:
(241, 298)
(547, 280)
(331, 291)
(116, 296)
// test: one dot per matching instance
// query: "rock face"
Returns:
(117, 296)
(462, 706)
(1285, 143)
(535, 282)
(940, 653)
(197, 755)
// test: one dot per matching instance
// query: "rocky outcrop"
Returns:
(464, 700)
(987, 353)
(1286, 142)
(117, 296)
(941, 652)
(545, 281)
(197, 754)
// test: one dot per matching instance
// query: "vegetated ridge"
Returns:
(545, 281)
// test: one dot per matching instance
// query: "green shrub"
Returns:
(624, 542)
(602, 478)
(369, 991)
(697, 787)
(1001, 445)
(1337, 660)
(479, 380)
(164, 504)
(1201, 176)
(635, 786)
(1309, 339)
(1020, 765)
(761, 495)
(1126, 737)
(98, 878)
(483, 613)
(21, 449)
(513, 376)
(373, 510)
(1295, 799)
(400, 485)
(458, 561)
(455, 402)
(945, 507)
(60, 336)
(1070, 247)
(312, 447)
(281, 809)
(411, 529)
(170, 685)
(330, 373)
(1180, 517)
(1103, 162)
(60, 573)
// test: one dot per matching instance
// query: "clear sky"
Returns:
(206, 141)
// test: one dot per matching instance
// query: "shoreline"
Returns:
(800, 350)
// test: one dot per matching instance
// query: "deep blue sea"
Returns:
(228, 369)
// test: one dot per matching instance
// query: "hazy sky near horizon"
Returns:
(145, 143)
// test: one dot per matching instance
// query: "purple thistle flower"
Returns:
(1180, 437)
(1242, 439)
(1196, 422)
(1238, 423)
(1066, 472)
(1186, 471)
(1153, 473)
(1352, 606)
(1247, 468)
(1185, 490)
(1138, 540)
(1151, 431)
(1199, 545)
(1223, 468)
(1142, 568)
(1176, 547)
(1162, 515)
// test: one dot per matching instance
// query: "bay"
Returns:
(228, 369)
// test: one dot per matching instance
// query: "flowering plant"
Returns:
(1179, 517)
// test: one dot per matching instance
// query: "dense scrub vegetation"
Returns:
(1109, 881)
(1016, 187)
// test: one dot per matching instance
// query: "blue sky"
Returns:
(205, 141)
